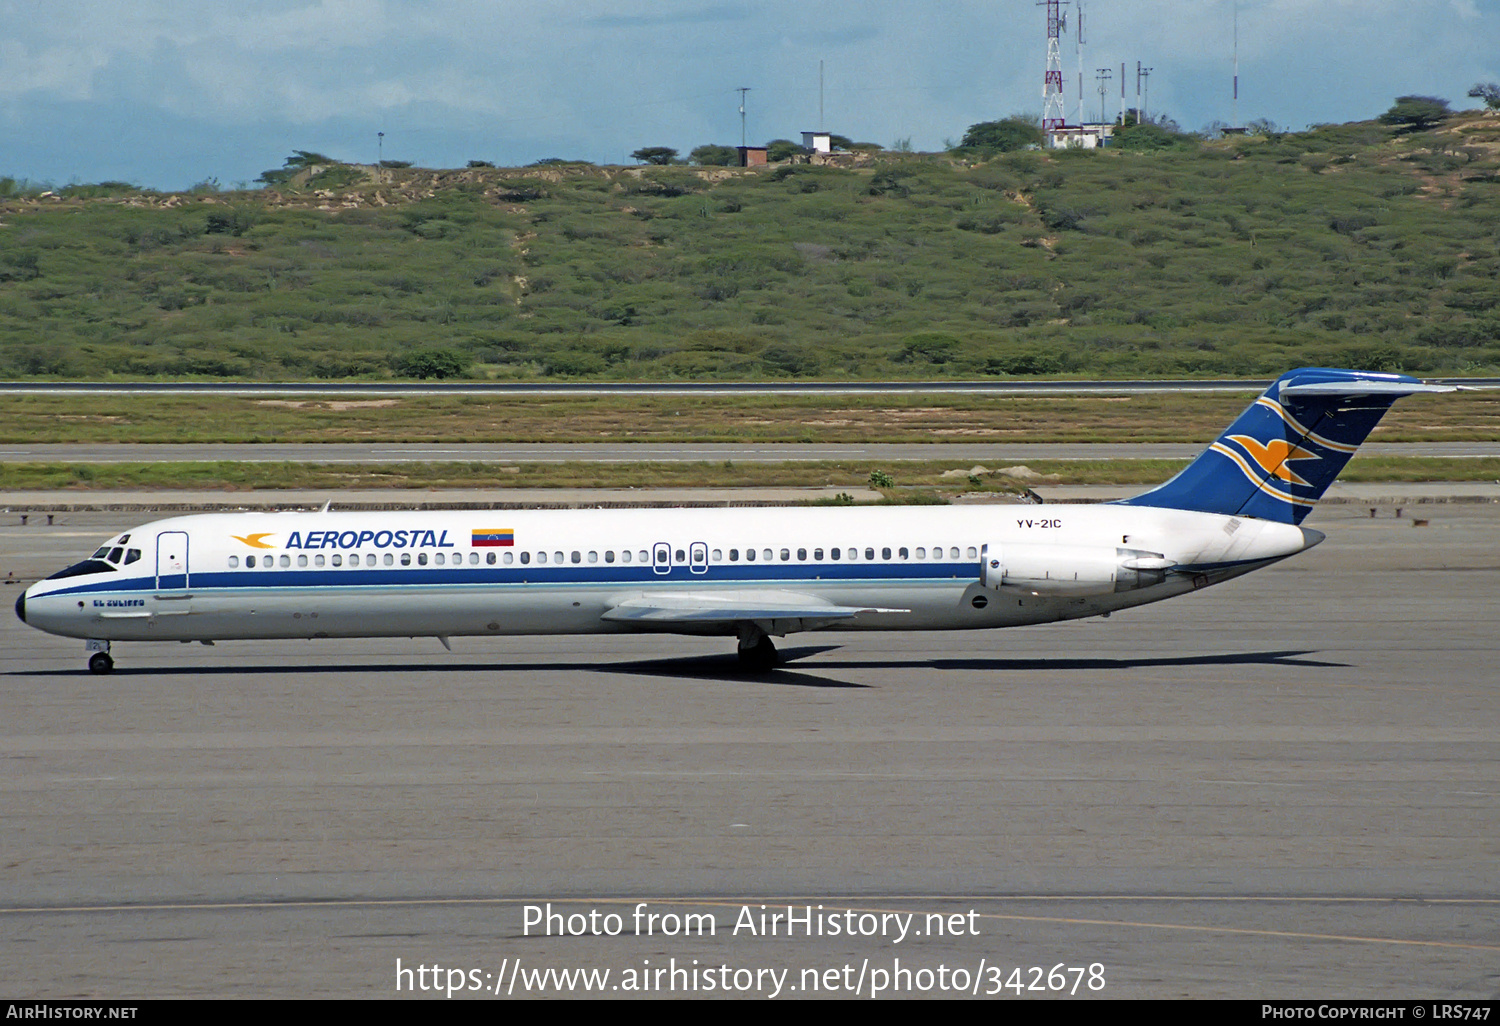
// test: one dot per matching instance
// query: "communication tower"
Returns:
(1054, 116)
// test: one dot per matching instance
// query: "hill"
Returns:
(1347, 245)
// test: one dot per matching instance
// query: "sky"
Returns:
(169, 93)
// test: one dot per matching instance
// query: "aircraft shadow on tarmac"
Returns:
(726, 667)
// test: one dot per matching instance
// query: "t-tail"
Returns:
(1279, 457)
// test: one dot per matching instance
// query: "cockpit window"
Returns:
(132, 555)
(100, 552)
(115, 554)
(88, 566)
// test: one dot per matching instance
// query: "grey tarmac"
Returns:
(650, 452)
(1283, 787)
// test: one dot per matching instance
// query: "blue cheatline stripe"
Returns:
(595, 575)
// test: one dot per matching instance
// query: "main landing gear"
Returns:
(100, 661)
(757, 652)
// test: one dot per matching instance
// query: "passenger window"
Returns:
(541, 557)
(421, 559)
(801, 555)
(370, 559)
(734, 555)
(510, 557)
(869, 552)
(885, 553)
(557, 557)
(406, 559)
(593, 557)
(750, 555)
(317, 560)
(338, 560)
(489, 557)
(834, 553)
(643, 556)
(902, 554)
(953, 552)
(681, 556)
(390, 559)
(525, 557)
(440, 559)
(766, 554)
(786, 555)
(818, 555)
(474, 558)
(718, 556)
(286, 561)
(301, 560)
(973, 552)
(577, 556)
(625, 556)
(234, 561)
(921, 552)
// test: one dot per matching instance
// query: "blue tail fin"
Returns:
(1279, 457)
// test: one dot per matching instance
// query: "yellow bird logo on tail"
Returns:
(1273, 457)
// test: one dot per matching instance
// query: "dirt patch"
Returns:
(336, 405)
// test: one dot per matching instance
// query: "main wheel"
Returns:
(759, 656)
(100, 662)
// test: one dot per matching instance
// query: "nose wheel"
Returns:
(100, 662)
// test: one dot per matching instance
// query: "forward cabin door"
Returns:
(172, 579)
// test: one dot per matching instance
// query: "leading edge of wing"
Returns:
(735, 607)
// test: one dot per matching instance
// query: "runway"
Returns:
(1284, 787)
(988, 453)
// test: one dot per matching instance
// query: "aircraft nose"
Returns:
(21, 606)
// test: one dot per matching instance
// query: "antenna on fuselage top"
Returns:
(326, 506)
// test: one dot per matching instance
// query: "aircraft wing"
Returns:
(704, 609)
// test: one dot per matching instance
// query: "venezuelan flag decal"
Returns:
(491, 539)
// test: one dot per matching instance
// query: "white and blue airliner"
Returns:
(752, 574)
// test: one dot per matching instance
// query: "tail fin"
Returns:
(1279, 457)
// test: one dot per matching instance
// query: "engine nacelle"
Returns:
(1073, 571)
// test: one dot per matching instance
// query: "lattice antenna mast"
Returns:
(1054, 112)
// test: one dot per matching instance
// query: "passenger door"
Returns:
(172, 580)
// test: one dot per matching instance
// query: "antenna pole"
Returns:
(1236, 112)
(1078, 47)
(742, 91)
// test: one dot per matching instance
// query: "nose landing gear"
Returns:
(99, 660)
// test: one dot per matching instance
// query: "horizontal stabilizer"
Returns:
(1394, 389)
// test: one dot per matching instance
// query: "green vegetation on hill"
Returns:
(1350, 245)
